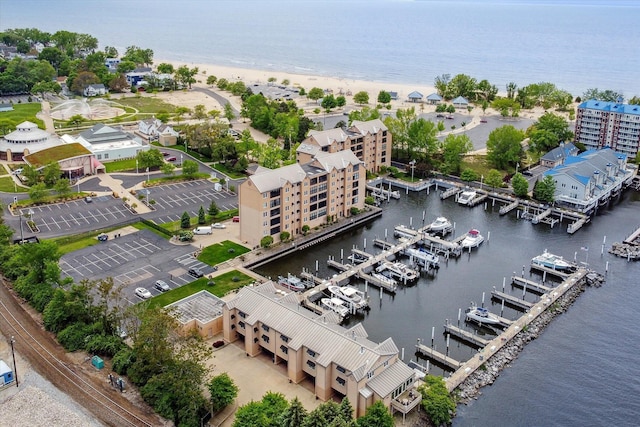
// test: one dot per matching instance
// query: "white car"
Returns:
(161, 285)
(17, 171)
(218, 225)
(143, 293)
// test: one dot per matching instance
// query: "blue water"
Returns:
(576, 44)
(583, 370)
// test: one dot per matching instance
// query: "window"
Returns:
(265, 338)
(241, 314)
(311, 353)
(311, 364)
(369, 375)
(284, 349)
(341, 369)
(241, 323)
(106, 155)
(340, 381)
(284, 338)
(265, 328)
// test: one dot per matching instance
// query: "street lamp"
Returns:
(136, 165)
(517, 166)
(185, 146)
(147, 176)
(181, 156)
(15, 369)
(481, 179)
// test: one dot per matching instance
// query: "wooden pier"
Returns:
(443, 359)
(338, 266)
(450, 192)
(510, 299)
(521, 282)
(551, 271)
(381, 192)
(505, 209)
(633, 237)
(465, 335)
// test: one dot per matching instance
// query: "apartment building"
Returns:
(608, 124)
(337, 361)
(370, 141)
(323, 189)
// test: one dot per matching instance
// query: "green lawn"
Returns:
(24, 112)
(223, 285)
(120, 165)
(229, 172)
(221, 252)
(67, 244)
(8, 185)
(174, 226)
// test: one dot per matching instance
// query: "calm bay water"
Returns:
(582, 370)
(576, 44)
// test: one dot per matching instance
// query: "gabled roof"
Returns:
(368, 127)
(434, 97)
(308, 149)
(388, 380)
(271, 179)
(415, 95)
(100, 134)
(613, 107)
(324, 138)
(338, 160)
(562, 151)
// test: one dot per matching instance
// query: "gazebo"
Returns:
(434, 99)
(415, 96)
(460, 102)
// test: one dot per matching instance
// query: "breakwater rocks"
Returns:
(626, 250)
(487, 373)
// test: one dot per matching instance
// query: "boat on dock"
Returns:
(336, 305)
(466, 197)
(358, 257)
(353, 297)
(388, 281)
(398, 270)
(441, 225)
(481, 315)
(423, 257)
(473, 239)
(549, 260)
(291, 282)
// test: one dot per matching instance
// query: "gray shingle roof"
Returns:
(370, 126)
(324, 138)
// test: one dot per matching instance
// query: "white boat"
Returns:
(336, 305)
(481, 315)
(549, 260)
(291, 282)
(473, 239)
(351, 296)
(392, 283)
(358, 258)
(466, 197)
(398, 271)
(422, 257)
(441, 225)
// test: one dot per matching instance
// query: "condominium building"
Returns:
(370, 141)
(336, 361)
(608, 124)
(325, 188)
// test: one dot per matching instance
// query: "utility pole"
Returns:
(15, 369)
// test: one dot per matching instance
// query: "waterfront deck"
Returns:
(432, 354)
(511, 300)
(465, 335)
(550, 271)
(471, 365)
(521, 282)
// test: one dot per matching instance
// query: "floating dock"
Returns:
(510, 299)
(551, 271)
(505, 209)
(465, 335)
(521, 282)
(443, 359)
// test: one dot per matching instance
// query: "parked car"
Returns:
(103, 237)
(143, 293)
(171, 159)
(165, 154)
(161, 285)
(88, 199)
(236, 219)
(17, 171)
(196, 272)
(218, 225)
(440, 115)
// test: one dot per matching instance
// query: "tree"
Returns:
(294, 415)
(38, 192)
(202, 219)
(211, 80)
(469, 175)
(185, 220)
(436, 400)
(185, 75)
(441, 82)
(138, 55)
(504, 146)
(228, 112)
(264, 413)
(82, 81)
(62, 187)
(520, 185)
(511, 90)
(76, 120)
(346, 410)
(168, 168)
(315, 94)
(548, 132)
(165, 68)
(494, 178)
(51, 173)
(199, 112)
(545, 189)
(46, 87)
(150, 158)
(384, 97)
(454, 147)
(451, 109)
(189, 168)
(377, 415)
(266, 241)
(421, 138)
(213, 209)
(361, 97)
(329, 102)
(341, 101)
(223, 391)
(118, 83)
(602, 95)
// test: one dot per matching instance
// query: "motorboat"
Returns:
(358, 258)
(549, 260)
(422, 256)
(466, 197)
(353, 297)
(336, 305)
(291, 282)
(481, 315)
(387, 281)
(473, 239)
(441, 225)
(398, 270)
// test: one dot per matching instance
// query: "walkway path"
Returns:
(45, 116)
(115, 186)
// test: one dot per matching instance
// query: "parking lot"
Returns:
(134, 260)
(170, 201)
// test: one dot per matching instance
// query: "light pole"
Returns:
(21, 233)
(15, 369)
(136, 166)
(185, 147)
(481, 179)
(181, 156)
(147, 178)
(413, 166)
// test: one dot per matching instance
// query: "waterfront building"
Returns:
(201, 312)
(370, 141)
(275, 201)
(108, 143)
(590, 178)
(609, 124)
(336, 361)
(557, 156)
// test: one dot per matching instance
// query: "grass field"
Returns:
(223, 284)
(120, 165)
(8, 185)
(221, 252)
(24, 112)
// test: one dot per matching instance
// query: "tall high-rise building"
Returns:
(608, 124)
